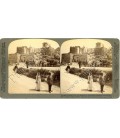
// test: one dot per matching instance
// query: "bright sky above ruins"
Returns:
(88, 43)
(35, 43)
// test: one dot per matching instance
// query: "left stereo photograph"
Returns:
(34, 66)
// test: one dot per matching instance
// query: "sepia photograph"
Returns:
(34, 66)
(86, 66)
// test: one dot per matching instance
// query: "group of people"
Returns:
(38, 79)
(101, 82)
(90, 79)
(49, 82)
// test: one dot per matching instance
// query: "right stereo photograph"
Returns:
(86, 66)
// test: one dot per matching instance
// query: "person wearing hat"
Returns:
(15, 68)
(68, 68)
(79, 63)
(50, 82)
(101, 82)
(27, 64)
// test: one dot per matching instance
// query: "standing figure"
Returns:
(38, 81)
(50, 82)
(79, 63)
(90, 81)
(15, 68)
(27, 63)
(101, 82)
(68, 68)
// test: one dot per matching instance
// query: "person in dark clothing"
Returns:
(50, 82)
(68, 68)
(27, 64)
(101, 82)
(15, 68)
(79, 63)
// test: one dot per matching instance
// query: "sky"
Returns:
(35, 43)
(88, 43)
(65, 47)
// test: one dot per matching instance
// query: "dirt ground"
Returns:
(72, 84)
(20, 84)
